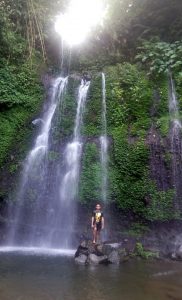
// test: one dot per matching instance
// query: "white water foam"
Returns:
(39, 251)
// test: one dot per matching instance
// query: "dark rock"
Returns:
(81, 259)
(179, 253)
(91, 247)
(123, 255)
(81, 250)
(114, 245)
(107, 249)
(173, 255)
(83, 244)
(114, 257)
(94, 259)
(100, 248)
(129, 244)
(90, 253)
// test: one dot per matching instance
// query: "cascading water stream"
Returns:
(104, 157)
(66, 53)
(70, 179)
(104, 144)
(29, 214)
(176, 142)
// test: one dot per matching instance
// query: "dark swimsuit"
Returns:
(97, 215)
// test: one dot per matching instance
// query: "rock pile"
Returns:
(89, 253)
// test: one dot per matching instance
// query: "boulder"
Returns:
(114, 257)
(89, 253)
(84, 244)
(91, 247)
(81, 259)
(81, 250)
(99, 248)
(173, 255)
(123, 255)
(107, 249)
(179, 253)
(95, 260)
(114, 245)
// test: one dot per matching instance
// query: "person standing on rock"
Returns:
(97, 223)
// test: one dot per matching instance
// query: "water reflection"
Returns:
(25, 277)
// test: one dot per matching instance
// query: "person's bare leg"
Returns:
(94, 235)
(98, 236)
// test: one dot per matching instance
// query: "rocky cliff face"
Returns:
(140, 157)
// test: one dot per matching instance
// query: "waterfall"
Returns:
(104, 144)
(176, 143)
(31, 215)
(72, 155)
(66, 54)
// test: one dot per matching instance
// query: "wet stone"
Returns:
(90, 253)
(95, 259)
(114, 257)
(179, 253)
(81, 259)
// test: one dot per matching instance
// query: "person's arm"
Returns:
(92, 222)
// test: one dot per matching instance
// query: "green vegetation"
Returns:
(129, 100)
(137, 230)
(90, 180)
(135, 54)
(20, 99)
(140, 251)
(92, 116)
(161, 205)
(161, 57)
(21, 91)
(127, 25)
(129, 165)
(65, 124)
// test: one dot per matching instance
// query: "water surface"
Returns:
(31, 276)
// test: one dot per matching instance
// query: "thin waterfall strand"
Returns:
(104, 143)
(72, 156)
(176, 142)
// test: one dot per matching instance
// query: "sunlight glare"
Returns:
(80, 18)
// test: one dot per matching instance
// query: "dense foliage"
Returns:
(138, 45)
(129, 101)
(127, 24)
(162, 57)
(90, 181)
